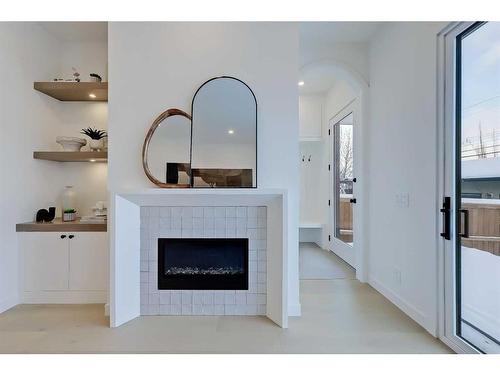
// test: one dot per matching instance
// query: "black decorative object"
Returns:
(44, 215)
(172, 173)
(94, 133)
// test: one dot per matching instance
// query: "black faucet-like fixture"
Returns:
(44, 215)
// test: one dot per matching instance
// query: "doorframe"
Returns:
(446, 85)
(357, 260)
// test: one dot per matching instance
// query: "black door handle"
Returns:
(71, 236)
(465, 234)
(352, 200)
(63, 236)
(446, 211)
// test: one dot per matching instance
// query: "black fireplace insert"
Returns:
(203, 263)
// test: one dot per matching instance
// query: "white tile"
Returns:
(154, 309)
(252, 255)
(262, 255)
(251, 299)
(220, 212)
(198, 232)
(187, 223)
(241, 299)
(241, 212)
(154, 299)
(176, 211)
(144, 277)
(208, 298)
(187, 233)
(220, 232)
(253, 234)
(231, 222)
(144, 222)
(209, 232)
(218, 297)
(187, 297)
(252, 222)
(251, 310)
(165, 212)
(197, 211)
(154, 212)
(262, 212)
(175, 310)
(165, 297)
(207, 310)
(218, 309)
(197, 309)
(229, 309)
(261, 222)
(144, 309)
(144, 298)
(187, 213)
(262, 234)
(252, 287)
(144, 291)
(262, 277)
(261, 244)
(208, 212)
(240, 310)
(144, 211)
(262, 266)
(261, 309)
(152, 266)
(176, 222)
(187, 310)
(197, 298)
(165, 222)
(229, 299)
(154, 223)
(253, 245)
(261, 288)
(198, 222)
(151, 277)
(175, 233)
(220, 223)
(261, 299)
(230, 212)
(176, 297)
(144, 255)
(165, 309)
(252, 266)
(145, 244)
(209, 223)
(241, 223)
(231, 232)
(252, 212)
(252, 277)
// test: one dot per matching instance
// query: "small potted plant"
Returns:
(96, 138)
(69, 214)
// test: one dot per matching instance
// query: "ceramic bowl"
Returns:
(71, 143)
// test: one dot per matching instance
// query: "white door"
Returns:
(88, 261)
(471, 187)
(343, 201)
(45, 257)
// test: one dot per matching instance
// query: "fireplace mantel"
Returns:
(124, 228)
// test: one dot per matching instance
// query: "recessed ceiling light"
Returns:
(92, 160)
(92, 96)
(301, 83)
(230, 131)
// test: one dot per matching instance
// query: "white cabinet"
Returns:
(88, 261)
(59, 267)
(310, 117)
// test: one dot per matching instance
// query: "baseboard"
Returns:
(8, 303)
(294, 310)
(403, 305)
(62, 297)
(106, 309)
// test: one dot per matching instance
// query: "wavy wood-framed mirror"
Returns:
(166, 153)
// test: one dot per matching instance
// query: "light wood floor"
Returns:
(338, 316)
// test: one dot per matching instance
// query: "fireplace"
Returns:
(203, 263)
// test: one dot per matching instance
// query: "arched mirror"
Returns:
(224, 135)
(166, 152)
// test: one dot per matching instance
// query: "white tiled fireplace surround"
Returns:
(203, 222)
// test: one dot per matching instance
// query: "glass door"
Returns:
(473, 226)
(343, 187)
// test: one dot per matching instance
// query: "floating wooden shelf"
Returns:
(72, 156)
(74, 91)
(57, 225)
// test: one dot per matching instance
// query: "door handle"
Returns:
(352, 200)
(446, 211)
(63, 236)
(465, 233)
(71, 236)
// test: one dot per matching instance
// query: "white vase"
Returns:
(96, 144)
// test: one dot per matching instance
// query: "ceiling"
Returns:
(78, 31)
(318, 79)
(337, 32)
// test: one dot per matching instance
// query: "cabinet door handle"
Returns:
(63, 236)
(71, 236)
(352, 200)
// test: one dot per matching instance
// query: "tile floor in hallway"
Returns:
(339, 315)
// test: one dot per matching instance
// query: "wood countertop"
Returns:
(57, 225)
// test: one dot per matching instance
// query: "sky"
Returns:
(481, 81)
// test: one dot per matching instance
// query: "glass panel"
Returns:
(344, 179)
(479, 187)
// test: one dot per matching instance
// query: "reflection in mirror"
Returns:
(167, 154)
(224, 143)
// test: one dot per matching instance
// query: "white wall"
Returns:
(155, 66)
(402, 158)
(28, 120)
